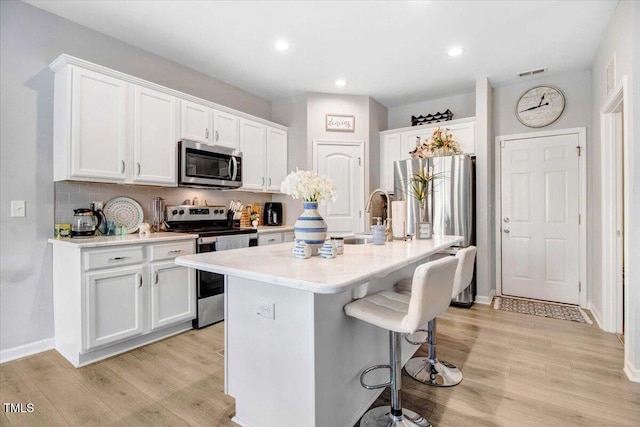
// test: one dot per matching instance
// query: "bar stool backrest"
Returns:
(464, 273)
(431, 290)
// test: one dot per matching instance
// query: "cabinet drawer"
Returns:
(171, 250)
(103, 258)
(269, 239)
(289, 236)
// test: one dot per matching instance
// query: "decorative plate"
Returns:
(124, 212)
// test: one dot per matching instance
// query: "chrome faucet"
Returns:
(387, 221)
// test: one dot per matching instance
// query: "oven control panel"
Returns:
(195, 213)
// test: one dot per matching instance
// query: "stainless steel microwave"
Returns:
(202, 165)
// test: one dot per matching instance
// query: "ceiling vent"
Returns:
(532, 72)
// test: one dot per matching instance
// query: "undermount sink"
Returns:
(357, 240)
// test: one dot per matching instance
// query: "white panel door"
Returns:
(154, 137)
(173, 294)
(342, 162)
(226, 129)
(253, 147)
(195, 122)
(540, 229)
(276, 158)
(98, 126)
(113, 308)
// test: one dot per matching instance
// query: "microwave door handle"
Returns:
(234, 162)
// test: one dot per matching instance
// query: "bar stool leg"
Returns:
(394, 415)
(429, 370)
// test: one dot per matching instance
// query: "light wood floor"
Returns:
(519, 370)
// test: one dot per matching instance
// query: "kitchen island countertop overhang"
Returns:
(275, 264)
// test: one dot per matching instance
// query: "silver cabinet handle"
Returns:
(138, 168)
(271, 240)
(122, 166)
(176, 251)
(507, 231)
(269, 182)
(217, 136)
(117, 258)
(206, 133)
(262, 181)
(140, 280)
(156, 278)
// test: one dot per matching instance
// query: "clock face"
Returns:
(540, 106)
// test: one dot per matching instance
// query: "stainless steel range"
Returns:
(215, 233)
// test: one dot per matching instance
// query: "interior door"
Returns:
(343, 163)
(540, 218)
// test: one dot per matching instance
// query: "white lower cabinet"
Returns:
(171, 300)
(272, 238)
(114, 309)
(108, 300)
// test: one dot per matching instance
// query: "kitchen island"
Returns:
(292, 357)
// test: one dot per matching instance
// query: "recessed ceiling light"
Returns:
(455, 51)
(341, 82)
(282, 45)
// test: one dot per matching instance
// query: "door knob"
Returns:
(507, 231)
(506, 219)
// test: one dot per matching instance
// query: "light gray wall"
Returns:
(29, 40)
(622, 37)
(461, 105)
(378, 121)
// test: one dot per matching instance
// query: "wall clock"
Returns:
(540, 106)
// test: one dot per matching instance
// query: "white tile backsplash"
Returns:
(73, 195)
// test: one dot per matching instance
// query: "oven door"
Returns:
(211, 285)
(202, 165)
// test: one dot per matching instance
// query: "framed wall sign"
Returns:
(340, 123)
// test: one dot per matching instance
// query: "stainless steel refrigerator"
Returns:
(451, 204)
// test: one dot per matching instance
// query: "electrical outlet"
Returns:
(18, 208)
(266, 309)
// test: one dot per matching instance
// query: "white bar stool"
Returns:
(429, 370)
(401, 314)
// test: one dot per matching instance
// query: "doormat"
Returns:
(543, 309)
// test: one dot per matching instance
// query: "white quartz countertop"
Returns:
(128, 239)
(275, 264)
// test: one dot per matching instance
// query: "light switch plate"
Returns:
(18, 208)
(265, 309)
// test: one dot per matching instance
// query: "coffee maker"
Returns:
(272, 213)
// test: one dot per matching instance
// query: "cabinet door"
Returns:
(154, 137)
(173, 294)
(195, 122)
(98, 126)
(276, 158)
(114, 307)
(389, 153)
(252, 145)
(226, 129)
(465, 134)
(411, 138)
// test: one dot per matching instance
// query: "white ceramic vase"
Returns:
(310, 227)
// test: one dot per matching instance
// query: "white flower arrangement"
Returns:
(308, 186)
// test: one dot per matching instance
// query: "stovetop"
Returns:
(207, 221)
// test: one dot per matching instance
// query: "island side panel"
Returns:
(269, 362)
(345, 346)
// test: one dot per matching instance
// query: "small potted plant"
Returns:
(255, 219)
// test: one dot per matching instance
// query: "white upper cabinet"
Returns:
(276, 158)
(264, 156)
(112, 127)
(253, 147)
(396, 144)
(98, 137)
(196, 122)
(154, 137)
(226, 129)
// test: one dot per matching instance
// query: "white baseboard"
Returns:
(486, 299)
(26, 350)
(632, 373)
(596, 315)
